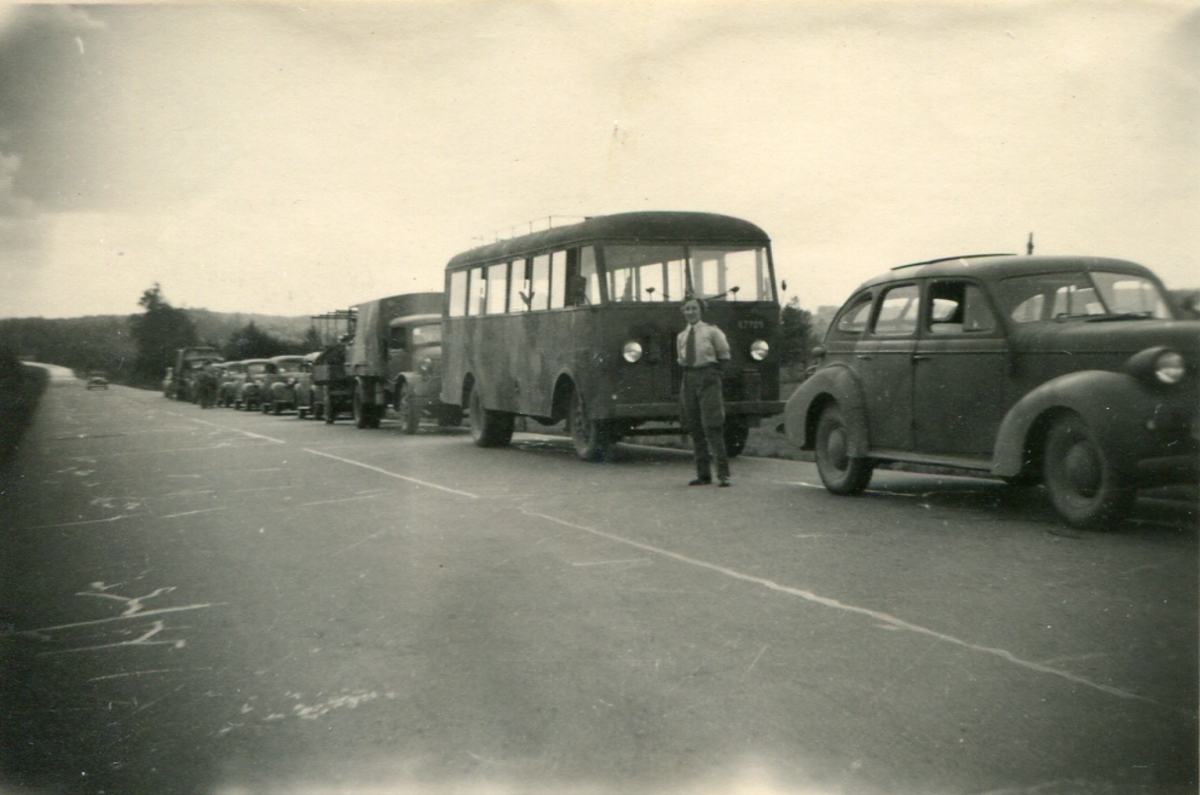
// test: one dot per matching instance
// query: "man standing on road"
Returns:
(702, 349)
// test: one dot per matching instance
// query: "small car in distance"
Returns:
(1070, 371)
(248, 395)
(97, 380)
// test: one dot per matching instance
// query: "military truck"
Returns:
(395, 360)
(188, 362)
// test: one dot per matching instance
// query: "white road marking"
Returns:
(238, 430)
(396, 475)
(884, 618)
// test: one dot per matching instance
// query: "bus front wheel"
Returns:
(489, 428)
(592, 438)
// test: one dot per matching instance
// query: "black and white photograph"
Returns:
(594, 397)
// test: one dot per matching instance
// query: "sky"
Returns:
(291, 159)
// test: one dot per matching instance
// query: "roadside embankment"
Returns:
(20, 388)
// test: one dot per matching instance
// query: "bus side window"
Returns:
(558, 280)
(518, 287)
(458, 294)
(589, 277)
(496, 291)
(476, 293)
(540, 284)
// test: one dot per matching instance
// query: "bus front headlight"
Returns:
(759, 350)
(633, 351)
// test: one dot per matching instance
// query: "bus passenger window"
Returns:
(497, 289)
(540, 296)
(458, 294)
(518, 287)
(588, 284)
(476, 293)
(558, 280)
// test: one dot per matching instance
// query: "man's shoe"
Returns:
(700, 482)
(724, 482)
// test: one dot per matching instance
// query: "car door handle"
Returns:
(862, 356)
(919, 358)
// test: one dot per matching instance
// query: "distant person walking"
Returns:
(702, 349)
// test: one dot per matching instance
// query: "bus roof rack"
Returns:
(947, 259)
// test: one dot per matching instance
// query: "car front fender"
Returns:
(833, 384)
(1114, 405)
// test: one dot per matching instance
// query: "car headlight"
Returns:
(425, 366)
(759, 350)
(1168, 367)
(632, 351)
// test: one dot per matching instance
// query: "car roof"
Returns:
(1001, 266)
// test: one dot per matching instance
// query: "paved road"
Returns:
(214, 601)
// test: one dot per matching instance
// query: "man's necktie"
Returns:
(689, 355)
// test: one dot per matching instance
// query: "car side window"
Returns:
(897, 314)
(853, 319)
(958, 308)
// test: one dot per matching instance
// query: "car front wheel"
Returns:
(840, 473)
(408, 410)
(1083, 481)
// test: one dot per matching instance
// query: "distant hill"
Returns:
(104, 342)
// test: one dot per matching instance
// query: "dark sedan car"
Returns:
(1070, 371)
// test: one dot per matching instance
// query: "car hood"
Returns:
(1108, 336)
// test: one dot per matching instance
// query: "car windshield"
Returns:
(1098, 294)
(289, 365)
(428, 334)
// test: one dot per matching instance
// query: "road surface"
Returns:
(223, 602)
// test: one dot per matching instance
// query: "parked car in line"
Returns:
(280, 386)
(97, 380)
(249, 390)
(229, 378)
(1070, 371)
(168, 384)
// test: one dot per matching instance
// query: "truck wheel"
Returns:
(408, 410)
(840, 473)
(329, 413)
(362, 409)
(737, 431)
(592, 438)
(1085, 485)
(489, 428)
(301, 412)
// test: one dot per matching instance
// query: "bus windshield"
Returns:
(640, 274)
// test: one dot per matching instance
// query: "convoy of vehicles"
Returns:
(1074, 373)
(1069, 371)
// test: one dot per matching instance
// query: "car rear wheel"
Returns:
(592, 438)
(841, 473)
(489, 428)
(1085, 485)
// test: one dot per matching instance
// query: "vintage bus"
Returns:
(579, 322)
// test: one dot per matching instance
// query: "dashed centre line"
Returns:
(886, 619)
(396, 475)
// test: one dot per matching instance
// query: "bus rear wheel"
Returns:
(489, 428)
(592, 438)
